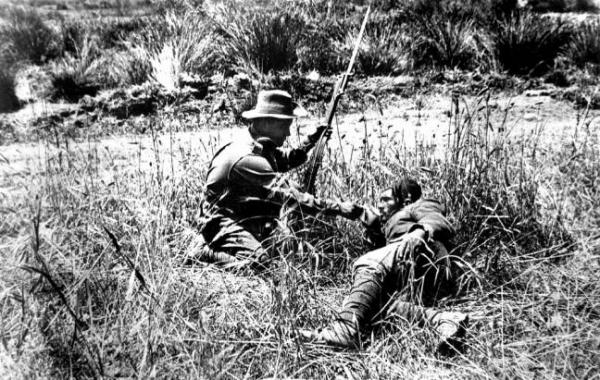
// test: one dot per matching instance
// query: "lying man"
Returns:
(244, 191)
(404, 276)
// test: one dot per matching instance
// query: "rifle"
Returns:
(310, 176)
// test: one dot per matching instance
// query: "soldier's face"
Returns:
(387, 205)
(275, 129)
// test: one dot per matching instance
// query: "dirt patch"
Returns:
(219, 102)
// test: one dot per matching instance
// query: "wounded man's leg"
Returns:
(366, 297)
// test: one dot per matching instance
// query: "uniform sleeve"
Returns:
(290, 158)
(254, 173)
(431, 215)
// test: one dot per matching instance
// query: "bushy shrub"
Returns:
(262, 39)
(384, 49)
(528, 44)
(173, 45)
(73, 34)
(441, 40)
(321, 43)
(77, 75)
(28, 37)
(585, 46)
(113, 31)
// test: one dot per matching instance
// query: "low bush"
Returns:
(112, 32)
(78, 74)
(384, 50)
(260, 40)
(322, 42)
(28, 37)
(585, 46)
(173, 45)
(528, 44)
(443, 41)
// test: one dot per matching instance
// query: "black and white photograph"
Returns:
(300, 189)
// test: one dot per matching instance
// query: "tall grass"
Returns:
(28, 37)
(442, 41)
(384, 50)
(260, 40)
(92, 272)
(182, 43)
(78, 74)
(585, 46)
(527, 44)
(322, 45)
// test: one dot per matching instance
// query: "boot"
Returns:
(205, 254)
(361, 304)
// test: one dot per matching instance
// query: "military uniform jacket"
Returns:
(424, 213)
(244, 183)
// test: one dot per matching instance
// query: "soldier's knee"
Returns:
(362, 262)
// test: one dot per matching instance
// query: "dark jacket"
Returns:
(424, 213)
(243, 182)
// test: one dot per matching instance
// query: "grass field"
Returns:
(96, 213)
(93, 283)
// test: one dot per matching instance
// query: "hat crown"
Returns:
(275, 102)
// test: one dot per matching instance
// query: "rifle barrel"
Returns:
(358, 39)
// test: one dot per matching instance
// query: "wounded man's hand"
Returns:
(350, 210)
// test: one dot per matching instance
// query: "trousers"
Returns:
(409, 270)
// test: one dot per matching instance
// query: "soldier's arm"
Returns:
(255, 174)
(291, 158)
(431, 215)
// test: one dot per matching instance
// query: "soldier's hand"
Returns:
(320, 130)
(350, 210)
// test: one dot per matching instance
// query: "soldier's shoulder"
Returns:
(429, 204)
(240, 148)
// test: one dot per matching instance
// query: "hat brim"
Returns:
(299, 111)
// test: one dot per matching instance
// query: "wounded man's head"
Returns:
(402, 193)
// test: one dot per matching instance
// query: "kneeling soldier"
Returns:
(244, 192)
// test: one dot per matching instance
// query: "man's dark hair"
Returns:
(404, 187)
